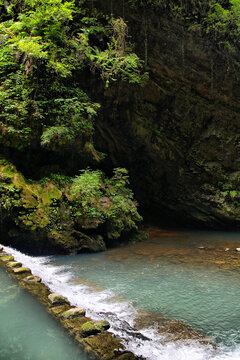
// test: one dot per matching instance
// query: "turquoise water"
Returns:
(207, 298)
(169, 274)
(27, 332)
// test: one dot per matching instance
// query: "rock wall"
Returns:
(180, 134)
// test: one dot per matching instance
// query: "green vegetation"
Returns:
(60, 208)
(219, 19)
(43, 45)
(46, 47)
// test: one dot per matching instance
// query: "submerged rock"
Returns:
(94, 327)
(74, 313)
(170, 330)
(32, 279)
(21, 270)
(57, 299)
(14, 264)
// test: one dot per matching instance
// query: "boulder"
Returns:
(238, 249)
(21, 270)
(74, 313)
(7, 258)
(32, 279)
(57, 299)
(14, 264)
(94, 327)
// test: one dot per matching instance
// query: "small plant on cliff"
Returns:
(115, 62)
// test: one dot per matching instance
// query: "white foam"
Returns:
(226, 354)
(59, 279)
(120, 314)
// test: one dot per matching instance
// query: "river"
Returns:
(191, 276)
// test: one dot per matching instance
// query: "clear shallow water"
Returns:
(27, 332)
(167, 274)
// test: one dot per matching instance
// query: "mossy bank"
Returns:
(67, 215)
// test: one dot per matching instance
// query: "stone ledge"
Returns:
(101, 346)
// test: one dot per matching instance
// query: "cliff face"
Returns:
(180, 134)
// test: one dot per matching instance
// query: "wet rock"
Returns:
(1, 248)
(32, 279)
(94, 327)
(127, 356)
(7, 258)
(14, 264)
(207, 341)
(21, 270)
(74, 313)
(57, 299)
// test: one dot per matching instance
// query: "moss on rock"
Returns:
(6, 258)
(94, 327)
(32, 279)
(57, 299)
(21, 270)
(14, 264)
(52, 214)
(74, 313)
